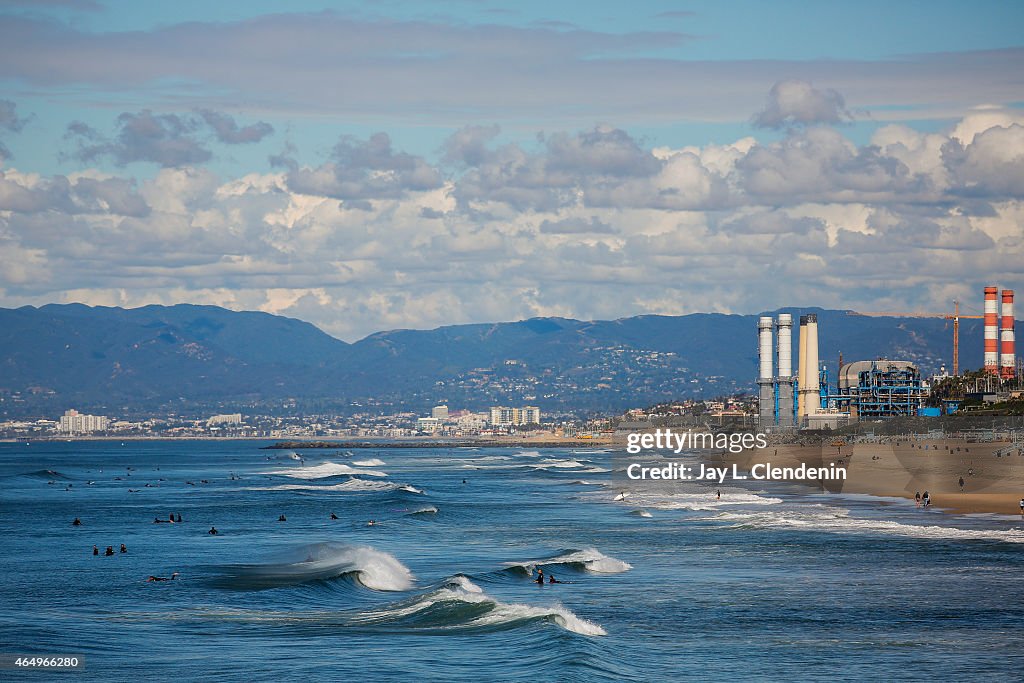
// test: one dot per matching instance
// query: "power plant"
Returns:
(866, 389)
(1008, 355)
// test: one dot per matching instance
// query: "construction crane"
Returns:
(954, 316)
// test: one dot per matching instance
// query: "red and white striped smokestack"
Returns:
(1007, 354)
(991, 332)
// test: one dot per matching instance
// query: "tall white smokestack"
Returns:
(801, 409)
(764, 347)
(785, 351)
(765, 378)
(811, 386)
(785, 345)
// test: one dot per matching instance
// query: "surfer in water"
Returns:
(540, 577)
(77, 522)
(162, 578)
(334, 516)
(552, 579)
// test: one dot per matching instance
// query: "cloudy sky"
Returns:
(369, 166)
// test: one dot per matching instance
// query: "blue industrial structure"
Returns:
(873, 389)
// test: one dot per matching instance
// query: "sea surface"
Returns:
(767, 583)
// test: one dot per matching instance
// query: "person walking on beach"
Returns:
(961, 484)
(1022, 508)
(917, 498)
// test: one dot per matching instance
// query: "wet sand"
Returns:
(992, 483)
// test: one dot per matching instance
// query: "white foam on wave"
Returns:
(640, 513)
(591, 559)
(353, 484)
(527, 454)
(825, 518)
(372, 462)
(465, 584)
(701, 500)
(499, 613)
(372, 568)
(559, 464)
(594, 561)
(376, 569)
(323, 470)
(507, 466)
(429, 510)
(411, 489)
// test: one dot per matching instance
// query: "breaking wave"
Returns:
(838, 520)
(702, 500)
(365, 565)
(461, 605)
(590, 560)
(372, 462)
(353, 484)
(323, 470)
(558, 464)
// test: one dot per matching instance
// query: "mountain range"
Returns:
(190, 359)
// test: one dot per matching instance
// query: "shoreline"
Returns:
(992, 484)
(347, 442)
(896, 470)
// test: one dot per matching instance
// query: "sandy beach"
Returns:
(993, 480)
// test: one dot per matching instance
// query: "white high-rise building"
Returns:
(440, 412)
(73, 422)
(429, 425)
(504, 417)
(230, 419)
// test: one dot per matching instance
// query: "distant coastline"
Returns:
(326, 443)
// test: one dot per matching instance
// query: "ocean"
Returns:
(772, 582)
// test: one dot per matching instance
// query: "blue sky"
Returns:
(725, 32)
(273, 155)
